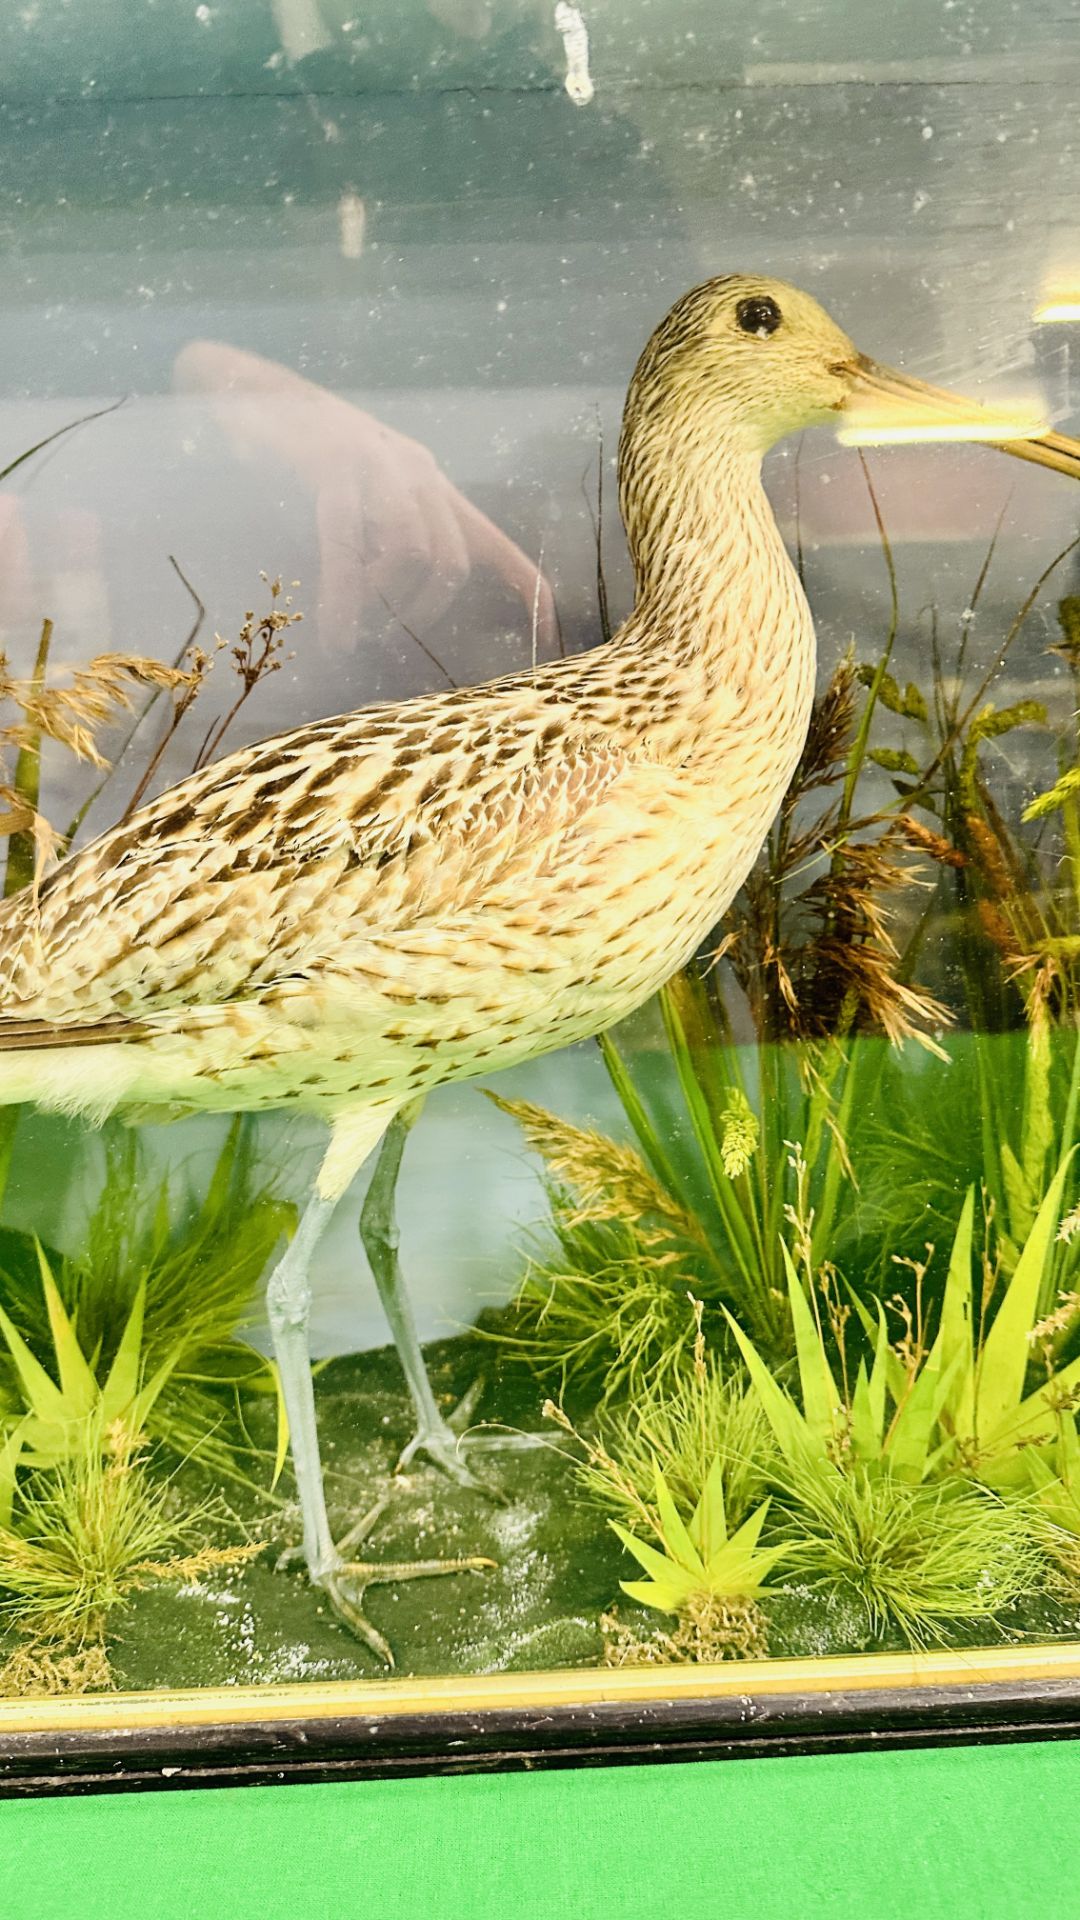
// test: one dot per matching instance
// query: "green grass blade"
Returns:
(10, 1449)
(144, 1400)
(42, 1395)
(820, 1396)
(1004, 1359)
(892, 1369)
(1019, 1200)
(1069, 1452)
(78, 1387)
(9, 1126)
(741, 1567)
(122, 1383)
(908, 1442)
(955, 1335)
(658, 1565)
(634, 1108)
(1037, 1124)
(741, 1574)
(663, 1595)
(222, 1181)
(798, 1442)
(1039, 1471)
(281, 1440)
(708, 1526)
(673, 1530)
(865, 1430)
(837, 1175)
(879, 1375)
(1036, 1418)
(746, 1537)
(721, 1186)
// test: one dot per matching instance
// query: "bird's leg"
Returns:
(379, 1234)
(288, 1298)
(441, 1439)
(288, 1304)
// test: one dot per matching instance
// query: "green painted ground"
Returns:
(558, 1565)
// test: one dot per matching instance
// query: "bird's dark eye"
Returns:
(758, 315)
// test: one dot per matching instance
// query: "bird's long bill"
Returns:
(886, 406)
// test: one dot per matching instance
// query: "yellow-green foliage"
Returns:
(698, 1559)
(986, 1419)
(683, 1424)
(92, 1530)
(59, 1412)
(918, 1556)
(1054, 1474)
(873, 1473)
(182, 1287)
(829, 1428)
(81, 1521)
(960, 1404)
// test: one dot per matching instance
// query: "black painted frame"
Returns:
(368, 1746)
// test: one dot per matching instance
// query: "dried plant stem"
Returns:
(976, 593)
(956, 729)
(256, 654)
(859, 745)
(72, 425)
(22, 850)
(179, 709)
(145, 711)
(415, 638)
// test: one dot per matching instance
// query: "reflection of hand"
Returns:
(396, 538)
(16, 598)
(52, 564)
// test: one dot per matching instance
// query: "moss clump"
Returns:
(709, 1629)
(42, 1667)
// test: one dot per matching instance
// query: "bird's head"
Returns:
(742, 360)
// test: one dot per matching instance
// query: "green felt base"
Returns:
(960, 1833)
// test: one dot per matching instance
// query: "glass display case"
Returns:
(538, 1114)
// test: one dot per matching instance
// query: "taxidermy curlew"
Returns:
(344, 916)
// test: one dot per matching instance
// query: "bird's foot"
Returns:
(440, 1443)
(446, 1442)
(346, 1581)
(345, 1586)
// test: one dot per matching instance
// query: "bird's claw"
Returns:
(335, 1586)
(446, 1443)
(443, 1447)
(346, 1581)
(345, 1585)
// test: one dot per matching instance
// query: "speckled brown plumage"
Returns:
(340, 917)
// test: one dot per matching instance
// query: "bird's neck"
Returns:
(719, 607)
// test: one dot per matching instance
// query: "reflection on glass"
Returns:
(749, 1328)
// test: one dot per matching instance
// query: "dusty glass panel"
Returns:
(751, 1327)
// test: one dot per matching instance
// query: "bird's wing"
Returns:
(271, 863)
